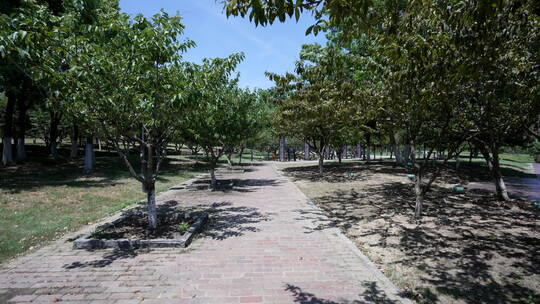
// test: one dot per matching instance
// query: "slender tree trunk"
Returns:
(282, 149)
(358, 150)
(229, 158)
(53, 133)
(150, 187)
(89, 155)
(321, 163)
(306, 151)
(213, 180)
(240, 156)
(74, 142)
(151, 202)
(339, 156)
(418, 191)
(21, 148)
(7, 154)
(251, 154)
(494, 166)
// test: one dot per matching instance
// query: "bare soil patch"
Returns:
(468, 247)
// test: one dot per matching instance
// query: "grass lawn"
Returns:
(42, 198)
(468, 248)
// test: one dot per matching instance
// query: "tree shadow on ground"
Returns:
(340, 173)
(359, 171)
(468, 247)
(372, 294)
(41, 171)
(235, 185)
(227, 220)
(106, 260)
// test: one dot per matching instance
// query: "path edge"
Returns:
(371, 266)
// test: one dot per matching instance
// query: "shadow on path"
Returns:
(372, 294)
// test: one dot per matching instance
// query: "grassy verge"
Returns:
(42, 198)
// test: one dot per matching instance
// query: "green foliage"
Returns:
(321, 102)
(183, 226)
(534, 151)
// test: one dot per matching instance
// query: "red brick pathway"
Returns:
(264, 244)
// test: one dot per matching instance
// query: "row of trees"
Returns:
(96, 69)
(436, 74)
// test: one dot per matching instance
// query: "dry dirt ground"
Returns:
(467, 248)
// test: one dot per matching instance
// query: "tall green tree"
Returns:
(132, 83)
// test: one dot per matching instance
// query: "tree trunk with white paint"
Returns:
(7, 151)
(282, 149)
(151, 204)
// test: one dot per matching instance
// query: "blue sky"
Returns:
(273, 48)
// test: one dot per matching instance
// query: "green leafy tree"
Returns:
(320, 102)
(132, 83)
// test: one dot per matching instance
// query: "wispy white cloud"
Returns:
(266, 48)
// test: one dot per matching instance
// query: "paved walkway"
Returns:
(523, 187)
(262, 245)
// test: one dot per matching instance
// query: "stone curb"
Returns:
(89, 243)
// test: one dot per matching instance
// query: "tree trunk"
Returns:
(53, 133)
(358, 150)
(339, 156)
(419, 202)
(306, 151)
(495, 169)
(251, 154)
(240, 156)
(21, 149)
(54, 149)
(321, 163)
(151, 202)
(229, 158)
(282, 149)
(7, 154)
(89, 155)
(213, 180)
(419, 190)
(74, 142)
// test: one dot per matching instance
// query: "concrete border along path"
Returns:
(264, 244)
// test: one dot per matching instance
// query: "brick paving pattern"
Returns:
(264, 244)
